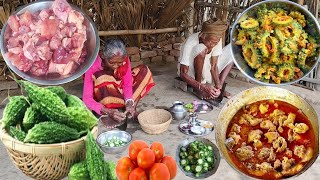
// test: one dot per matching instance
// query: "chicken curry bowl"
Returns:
(270, 139)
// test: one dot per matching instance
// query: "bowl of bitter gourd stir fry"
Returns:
(276, 42)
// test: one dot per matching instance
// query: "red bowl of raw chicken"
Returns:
(49, 42)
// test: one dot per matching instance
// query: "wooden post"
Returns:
(139, 31)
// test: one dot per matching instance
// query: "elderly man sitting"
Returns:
(203, 64)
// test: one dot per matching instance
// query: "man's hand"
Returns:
(115, 114)
(212, 92)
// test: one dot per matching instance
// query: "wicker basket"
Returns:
(45, 161)
(155, 121)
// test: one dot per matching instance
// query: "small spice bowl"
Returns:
(114, 135)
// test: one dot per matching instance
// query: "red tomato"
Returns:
(159, 171)
(124, 168)
(135, 147)
(146, 158)
(158, 150)
(138, 174)
(171, 164)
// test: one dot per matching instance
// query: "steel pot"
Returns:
(263, 93)
(178, 111)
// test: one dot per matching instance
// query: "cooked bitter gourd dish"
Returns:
(276, 45)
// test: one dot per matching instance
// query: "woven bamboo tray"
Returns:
(45, 161)
(155, 121)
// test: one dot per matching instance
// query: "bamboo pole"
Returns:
(139, 31)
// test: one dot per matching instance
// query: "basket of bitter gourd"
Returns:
(44, 131)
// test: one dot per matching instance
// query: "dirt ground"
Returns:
(163, 95)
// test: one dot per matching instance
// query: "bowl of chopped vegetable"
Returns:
(198, 157)
(114, 141)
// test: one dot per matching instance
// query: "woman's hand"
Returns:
(115, 114)
(130, 109)
(212, 92)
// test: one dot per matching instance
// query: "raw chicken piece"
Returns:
(63, 69)
(14, 23)
(45, 14)
(39, 68)
(24, 29)
(15, 50)
(59, 56)
(61, 9)
(55, 42)
(29, 49)
(48, 28)
(76, 18)
(78, 40)
(25, 19)
(66, 43)
(68, 30)
(19, 61)
(13, 42)
(74, 54)
(44, 51)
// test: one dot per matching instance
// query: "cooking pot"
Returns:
(257, 94)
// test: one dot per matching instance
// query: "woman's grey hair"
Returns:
(114, 47)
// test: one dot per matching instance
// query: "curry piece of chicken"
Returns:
(249, 119)
(244, 153)
(267, 124)
(300, 128)
(290, 121)
(292, 136)
(277, 164)
(264, 167)
(263, 108)
(236, 137)
(308, 155)
(299, 151)
(271, 136)
(280, 144)
(287, 163)
(267, 153)
(254, 136)
(236, 128)
(251, 109)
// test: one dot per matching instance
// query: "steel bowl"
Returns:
(257, 94)
(216, 156)
(92, 44)
(312, 27)
(103, 137)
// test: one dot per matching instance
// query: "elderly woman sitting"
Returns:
(110, 84)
